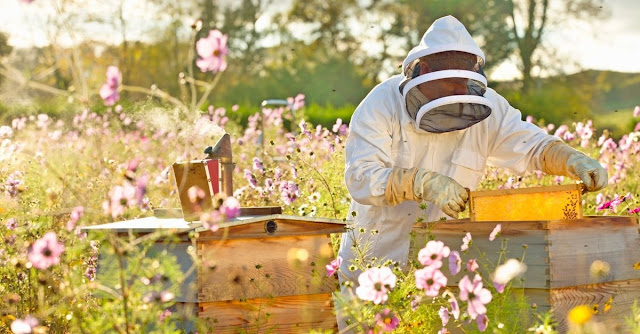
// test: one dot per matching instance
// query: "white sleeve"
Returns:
(516, 144)
(368, 147)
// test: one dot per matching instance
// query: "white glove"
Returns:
(415, 184)
(588, 170)
(560, 159)
(444, 192)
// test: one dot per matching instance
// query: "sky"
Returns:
(613, 44)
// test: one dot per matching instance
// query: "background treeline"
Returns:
(333, 51)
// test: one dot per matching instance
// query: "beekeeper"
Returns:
(428, 133)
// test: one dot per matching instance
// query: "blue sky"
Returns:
(613, 44)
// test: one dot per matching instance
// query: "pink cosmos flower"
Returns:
(599, 198)
(257, 165)
(569, 136)
(431, 279)
(559, 179)
(499, 287)
(561, 130)
(483, 321)
(636, 111)
(230, 207)
(164, 315)
(76, 213)
(636, 210)
(444, 315)
(496, 231)
(253, 182)
(11, 223)
(211, 220)
(386, 320)
(45, 252)
(455, 263)
(288, 192)
(296, 102)
(472, 265)
(475, 295)
(466, 242)
(432, 254)
(336, 127)
(375, 283)
(455, 309)
(120, 198)
(212, 50)
(109, 90)
(24, 326)
(333, 266)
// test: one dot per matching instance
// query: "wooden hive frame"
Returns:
(526, 204)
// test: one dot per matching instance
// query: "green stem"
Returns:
(208, 90)
(155, 92)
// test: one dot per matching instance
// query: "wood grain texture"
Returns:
(256, 268)
(624, 293)
(572, 251)
(285, 227)
(487, 253)
(288, 314)
(523, 204)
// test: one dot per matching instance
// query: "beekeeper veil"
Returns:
(448, 62)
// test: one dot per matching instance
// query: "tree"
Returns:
(536, 16)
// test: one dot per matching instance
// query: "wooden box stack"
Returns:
(259, 272)
(559, 253)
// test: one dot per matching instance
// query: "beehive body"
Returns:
(558, 255)
(256, 281)
(249, 277)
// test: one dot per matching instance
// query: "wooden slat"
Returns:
(573, 250)
(239, 261)
(285, 227)
(538, 203)
(624, 293)
(536, 254)
(466, 225)
(289, 314)
(260, 210)
(244, 211)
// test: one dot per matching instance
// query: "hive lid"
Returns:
(143, 225)
(239, 227)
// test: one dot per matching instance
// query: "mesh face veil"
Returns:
(450, 110)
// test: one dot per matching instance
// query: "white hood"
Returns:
(445, 34)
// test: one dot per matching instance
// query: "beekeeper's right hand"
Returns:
(422, 185)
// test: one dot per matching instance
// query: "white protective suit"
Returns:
(383, 135)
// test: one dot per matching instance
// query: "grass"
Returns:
(618, 122)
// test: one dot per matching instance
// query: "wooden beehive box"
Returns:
(559, 254)
(262, 272)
